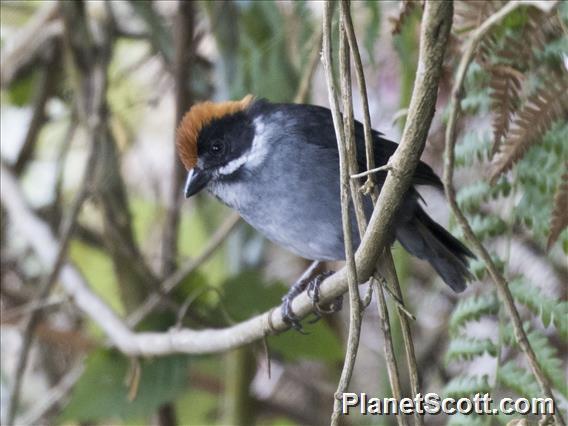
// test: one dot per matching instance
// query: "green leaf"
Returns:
(473, 308)
(479, 270)
(471, 196)
(519, 380)
(473, 146)
(550, 311)
(247, 294)
(486, 226)
(97, 268)
(546, 355)
(102, 395)
(466, 386)
(466, 348)
(320, 344)
(21, 91)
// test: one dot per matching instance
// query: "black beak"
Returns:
(195, 182)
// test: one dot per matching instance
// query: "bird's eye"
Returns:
(217, 148)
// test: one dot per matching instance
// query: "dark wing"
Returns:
(383, 150)
(316, 124)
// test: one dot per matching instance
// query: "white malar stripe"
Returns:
(233, 166)
(254, 157)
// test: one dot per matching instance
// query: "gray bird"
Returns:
(278, 166)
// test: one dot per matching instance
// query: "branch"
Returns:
(180, 274)
(390, 359)
(49, 281)
(392, 368)
(183, 66)
(46, 85)
(344, 133)
(500, 282)
(54, 396)
(404, 161)
(304, 86)
(29, 44)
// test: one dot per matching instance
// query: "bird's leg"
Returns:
(314, 293)
(288, 316)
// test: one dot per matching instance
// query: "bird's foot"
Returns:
(288, 316)
(313, 292)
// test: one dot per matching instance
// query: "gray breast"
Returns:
(292, 197)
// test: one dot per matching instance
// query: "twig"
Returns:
(180, 274)
(54, 396)
(398, 302)
(183, 66)
(386, 167)
(182, 74)
(386, 264)
(342, 132)
(48, 282)
(61, 160)
(34, 305)
(435, 29)
(390, 358)
(46, 86)
(449, 164)
(360, 75)
(347, 28)
(23, 49)
(197, 294)
(304, 86)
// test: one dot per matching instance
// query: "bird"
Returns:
(277, 165)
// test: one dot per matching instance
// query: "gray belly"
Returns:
(306, 221)
(309, 229)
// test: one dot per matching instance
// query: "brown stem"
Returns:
(48, 282)
(47, 84)
(343, 132)
(183, 44)
(183, 65)
(390, 358)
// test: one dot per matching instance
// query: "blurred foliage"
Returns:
(152, 382)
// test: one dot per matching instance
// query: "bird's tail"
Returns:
(425, 239)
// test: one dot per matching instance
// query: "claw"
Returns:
(312, 290)
(313, 293)
(289, 317)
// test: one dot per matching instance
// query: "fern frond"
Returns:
(519, 380)
(479, 269)
(546, 355)
(466, 348)
(470, 197)
(487, 226)
(471, 14)
(505, 87)
(547, 105)
(473, 146)
(559, 216)
(466, 386)
(471, 309)
(546, 308)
